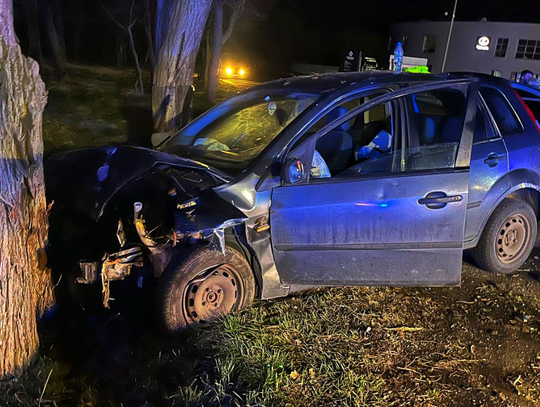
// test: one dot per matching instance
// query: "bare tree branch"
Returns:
(238, 9)
(111, 16)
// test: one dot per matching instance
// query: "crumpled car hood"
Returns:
(88, 178)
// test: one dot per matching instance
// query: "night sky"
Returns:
(318, 31)
(286, 31)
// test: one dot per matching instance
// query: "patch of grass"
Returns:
(92, 106)
(317, 349)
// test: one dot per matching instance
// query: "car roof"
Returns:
(331, 82)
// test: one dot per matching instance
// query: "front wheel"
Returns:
(508, 238)
(199, 288)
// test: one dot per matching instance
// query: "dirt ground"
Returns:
(476, 345)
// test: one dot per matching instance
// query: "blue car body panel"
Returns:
(370, 231)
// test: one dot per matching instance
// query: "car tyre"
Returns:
(508, 238)
(200, 287)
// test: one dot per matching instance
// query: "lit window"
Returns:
(528, 49)
(496, 73)
(404, 42)
(502, 46)
(429, 45)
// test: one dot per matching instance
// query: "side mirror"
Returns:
(293, 172)
(158, 139)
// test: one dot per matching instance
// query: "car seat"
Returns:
(428, 130)
(452, 130)
(336, 146)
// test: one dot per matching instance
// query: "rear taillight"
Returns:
(529, 111)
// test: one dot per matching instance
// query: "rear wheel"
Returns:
(201, 287)
(508, 238)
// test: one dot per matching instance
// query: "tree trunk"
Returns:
(119, 49)
(173, 75)
(59, 25)
(148, 32)
(25, 282)
(207, 57)
(215, 52)
(31, 10)
(54, 40)
(140, 87)
(77, 26)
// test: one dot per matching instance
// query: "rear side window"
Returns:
(502, 112)
(532, 101)
(480, 127)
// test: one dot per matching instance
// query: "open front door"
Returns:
(394, 217)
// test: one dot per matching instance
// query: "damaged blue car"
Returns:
(339, 179)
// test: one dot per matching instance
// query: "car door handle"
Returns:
(438, 200)
(493, 159)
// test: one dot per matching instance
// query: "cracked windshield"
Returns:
(240, 135)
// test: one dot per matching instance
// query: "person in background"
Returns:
(528, 79)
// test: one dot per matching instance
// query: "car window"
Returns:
(429, 140)
(502, 112)
(249, 130)
(483, 129)
(234, 138)
(355, 123)
(480, 126)
(367, 135)
(532, 101)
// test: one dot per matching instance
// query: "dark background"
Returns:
(286, 31)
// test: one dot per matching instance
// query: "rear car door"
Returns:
(489, 167)
(395, 218)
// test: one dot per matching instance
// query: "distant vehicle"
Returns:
(231, 69)
(369, 64)
(339, 179)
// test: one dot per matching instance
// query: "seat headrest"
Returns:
(336, 114)
(428, 130)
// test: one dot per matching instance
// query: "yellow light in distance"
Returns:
(242, 72)
(228, 71)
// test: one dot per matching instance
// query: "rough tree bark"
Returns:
(180, 44)
(25, 282)
(32, 20)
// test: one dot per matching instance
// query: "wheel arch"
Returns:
(240, 244)
(526, 192)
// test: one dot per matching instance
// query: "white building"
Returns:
(500, 49)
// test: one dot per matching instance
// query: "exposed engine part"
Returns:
(90, 271)
(121, 233)
(215, 236)
(261, 224)
(117, 266)
(140, 226)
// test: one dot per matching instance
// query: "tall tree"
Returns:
(25, 283)
(128, 27)
(148, 13)
(179, 30)
(214, 44)
(32, 21)
(55, 32)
